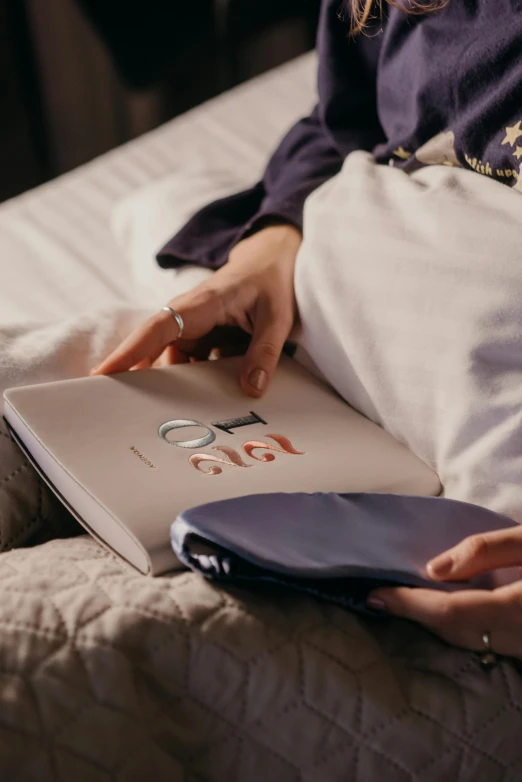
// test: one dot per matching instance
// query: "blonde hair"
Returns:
(361, 10)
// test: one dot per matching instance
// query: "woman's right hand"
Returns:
(253, 294)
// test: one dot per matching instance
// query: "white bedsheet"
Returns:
(59, 258)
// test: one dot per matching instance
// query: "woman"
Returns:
(437, 85)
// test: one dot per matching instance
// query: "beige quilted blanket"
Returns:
(109, 675)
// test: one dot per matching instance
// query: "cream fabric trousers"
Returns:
(410, 295)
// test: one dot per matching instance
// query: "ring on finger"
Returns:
(179, 320)
(488, 659)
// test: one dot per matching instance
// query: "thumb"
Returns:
(262, 358)
(479, 554)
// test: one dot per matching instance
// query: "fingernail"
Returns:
(94, 370)
(258, 379)
(377, 604)
(441, 566)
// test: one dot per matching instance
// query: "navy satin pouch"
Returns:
(338, 547)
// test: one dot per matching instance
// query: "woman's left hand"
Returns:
(462, 618)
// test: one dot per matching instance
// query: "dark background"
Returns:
(78, 77)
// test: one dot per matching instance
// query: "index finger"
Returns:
(149, 340)
(478, 554)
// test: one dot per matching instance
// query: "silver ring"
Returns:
(488, 659)
(179, 320)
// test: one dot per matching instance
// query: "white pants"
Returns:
(409, 289)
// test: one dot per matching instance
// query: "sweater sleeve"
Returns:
(345, 119)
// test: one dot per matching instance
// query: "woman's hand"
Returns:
(253, 294)
(462, 618)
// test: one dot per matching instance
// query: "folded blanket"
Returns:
(335, 546)
(39, 353)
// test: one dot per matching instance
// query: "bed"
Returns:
(109, 675)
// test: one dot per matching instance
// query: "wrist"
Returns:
(278, 238)
(266, 223)
(283, 232)
(274, 232)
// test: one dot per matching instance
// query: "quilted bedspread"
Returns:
(109, 675)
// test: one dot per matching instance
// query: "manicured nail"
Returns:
(377, 604)
(258, 379)
(441, 566)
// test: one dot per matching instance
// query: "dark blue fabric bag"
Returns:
(335, 546)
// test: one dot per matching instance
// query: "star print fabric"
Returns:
(440, 89)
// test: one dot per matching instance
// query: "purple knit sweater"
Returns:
(442, 88)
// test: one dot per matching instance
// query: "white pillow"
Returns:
(144, 221)
(410, 294)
